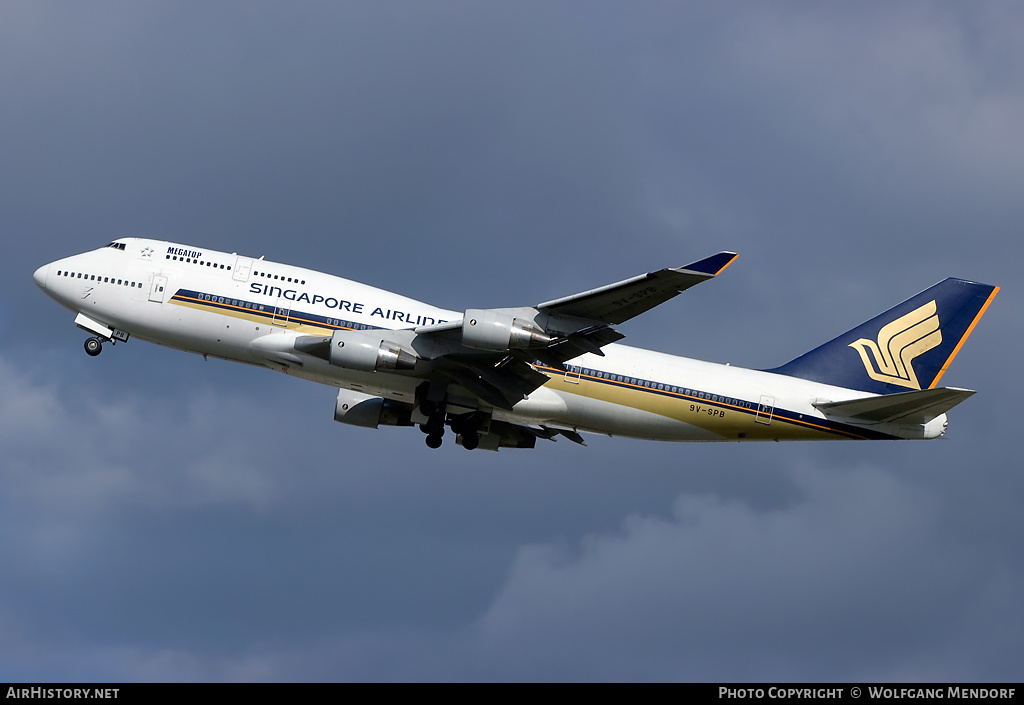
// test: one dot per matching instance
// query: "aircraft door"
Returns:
(281, 313)
(765, 410)
(243, 265)
(157, 290)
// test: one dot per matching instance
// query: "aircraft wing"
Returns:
(623, 300)
(564, 329)
(494, 353)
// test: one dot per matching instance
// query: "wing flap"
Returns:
(501, 384)
(918, 407)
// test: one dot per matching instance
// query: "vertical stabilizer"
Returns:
(906, 348)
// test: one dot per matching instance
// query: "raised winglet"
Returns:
(713, 265)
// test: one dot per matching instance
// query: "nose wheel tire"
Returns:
(93, 346)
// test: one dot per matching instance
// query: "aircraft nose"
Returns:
(40, 276)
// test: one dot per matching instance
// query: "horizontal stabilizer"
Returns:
(918, 407)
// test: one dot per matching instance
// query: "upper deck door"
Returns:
(243, 265)
(157, 291)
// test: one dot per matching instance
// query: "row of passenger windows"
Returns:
(189, 260)
(239, 303)
(667, 388)
(267, 275)
(97, 278)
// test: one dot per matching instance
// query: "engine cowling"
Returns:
(358, 409)
(485, 329)
(368, 351)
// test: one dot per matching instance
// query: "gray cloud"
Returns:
(702, 593)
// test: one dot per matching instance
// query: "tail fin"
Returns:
(907, 347)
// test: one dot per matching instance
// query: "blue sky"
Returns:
(166, 518)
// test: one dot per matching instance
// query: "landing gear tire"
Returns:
(434, 425)
(93, 347)
(470, 441)
(434, 440)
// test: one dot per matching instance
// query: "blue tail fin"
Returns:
(907, 347)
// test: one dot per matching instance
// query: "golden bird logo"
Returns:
(898, 344)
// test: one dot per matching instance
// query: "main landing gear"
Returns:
(434, 427)
(465, 426)
(93, 347)
(432, 404)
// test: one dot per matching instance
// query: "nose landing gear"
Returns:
(93, 347)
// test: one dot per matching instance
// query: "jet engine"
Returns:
(367, 351)
(358, 409)
(486, 329)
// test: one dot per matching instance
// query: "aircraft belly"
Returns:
(542, 404)
(663, 414)
(599, 416)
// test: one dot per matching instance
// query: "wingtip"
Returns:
(713, 265)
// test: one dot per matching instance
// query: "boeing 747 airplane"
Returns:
(502, 378)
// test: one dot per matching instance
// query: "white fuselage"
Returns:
(249, 310)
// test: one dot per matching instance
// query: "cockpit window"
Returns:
(116, 245)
